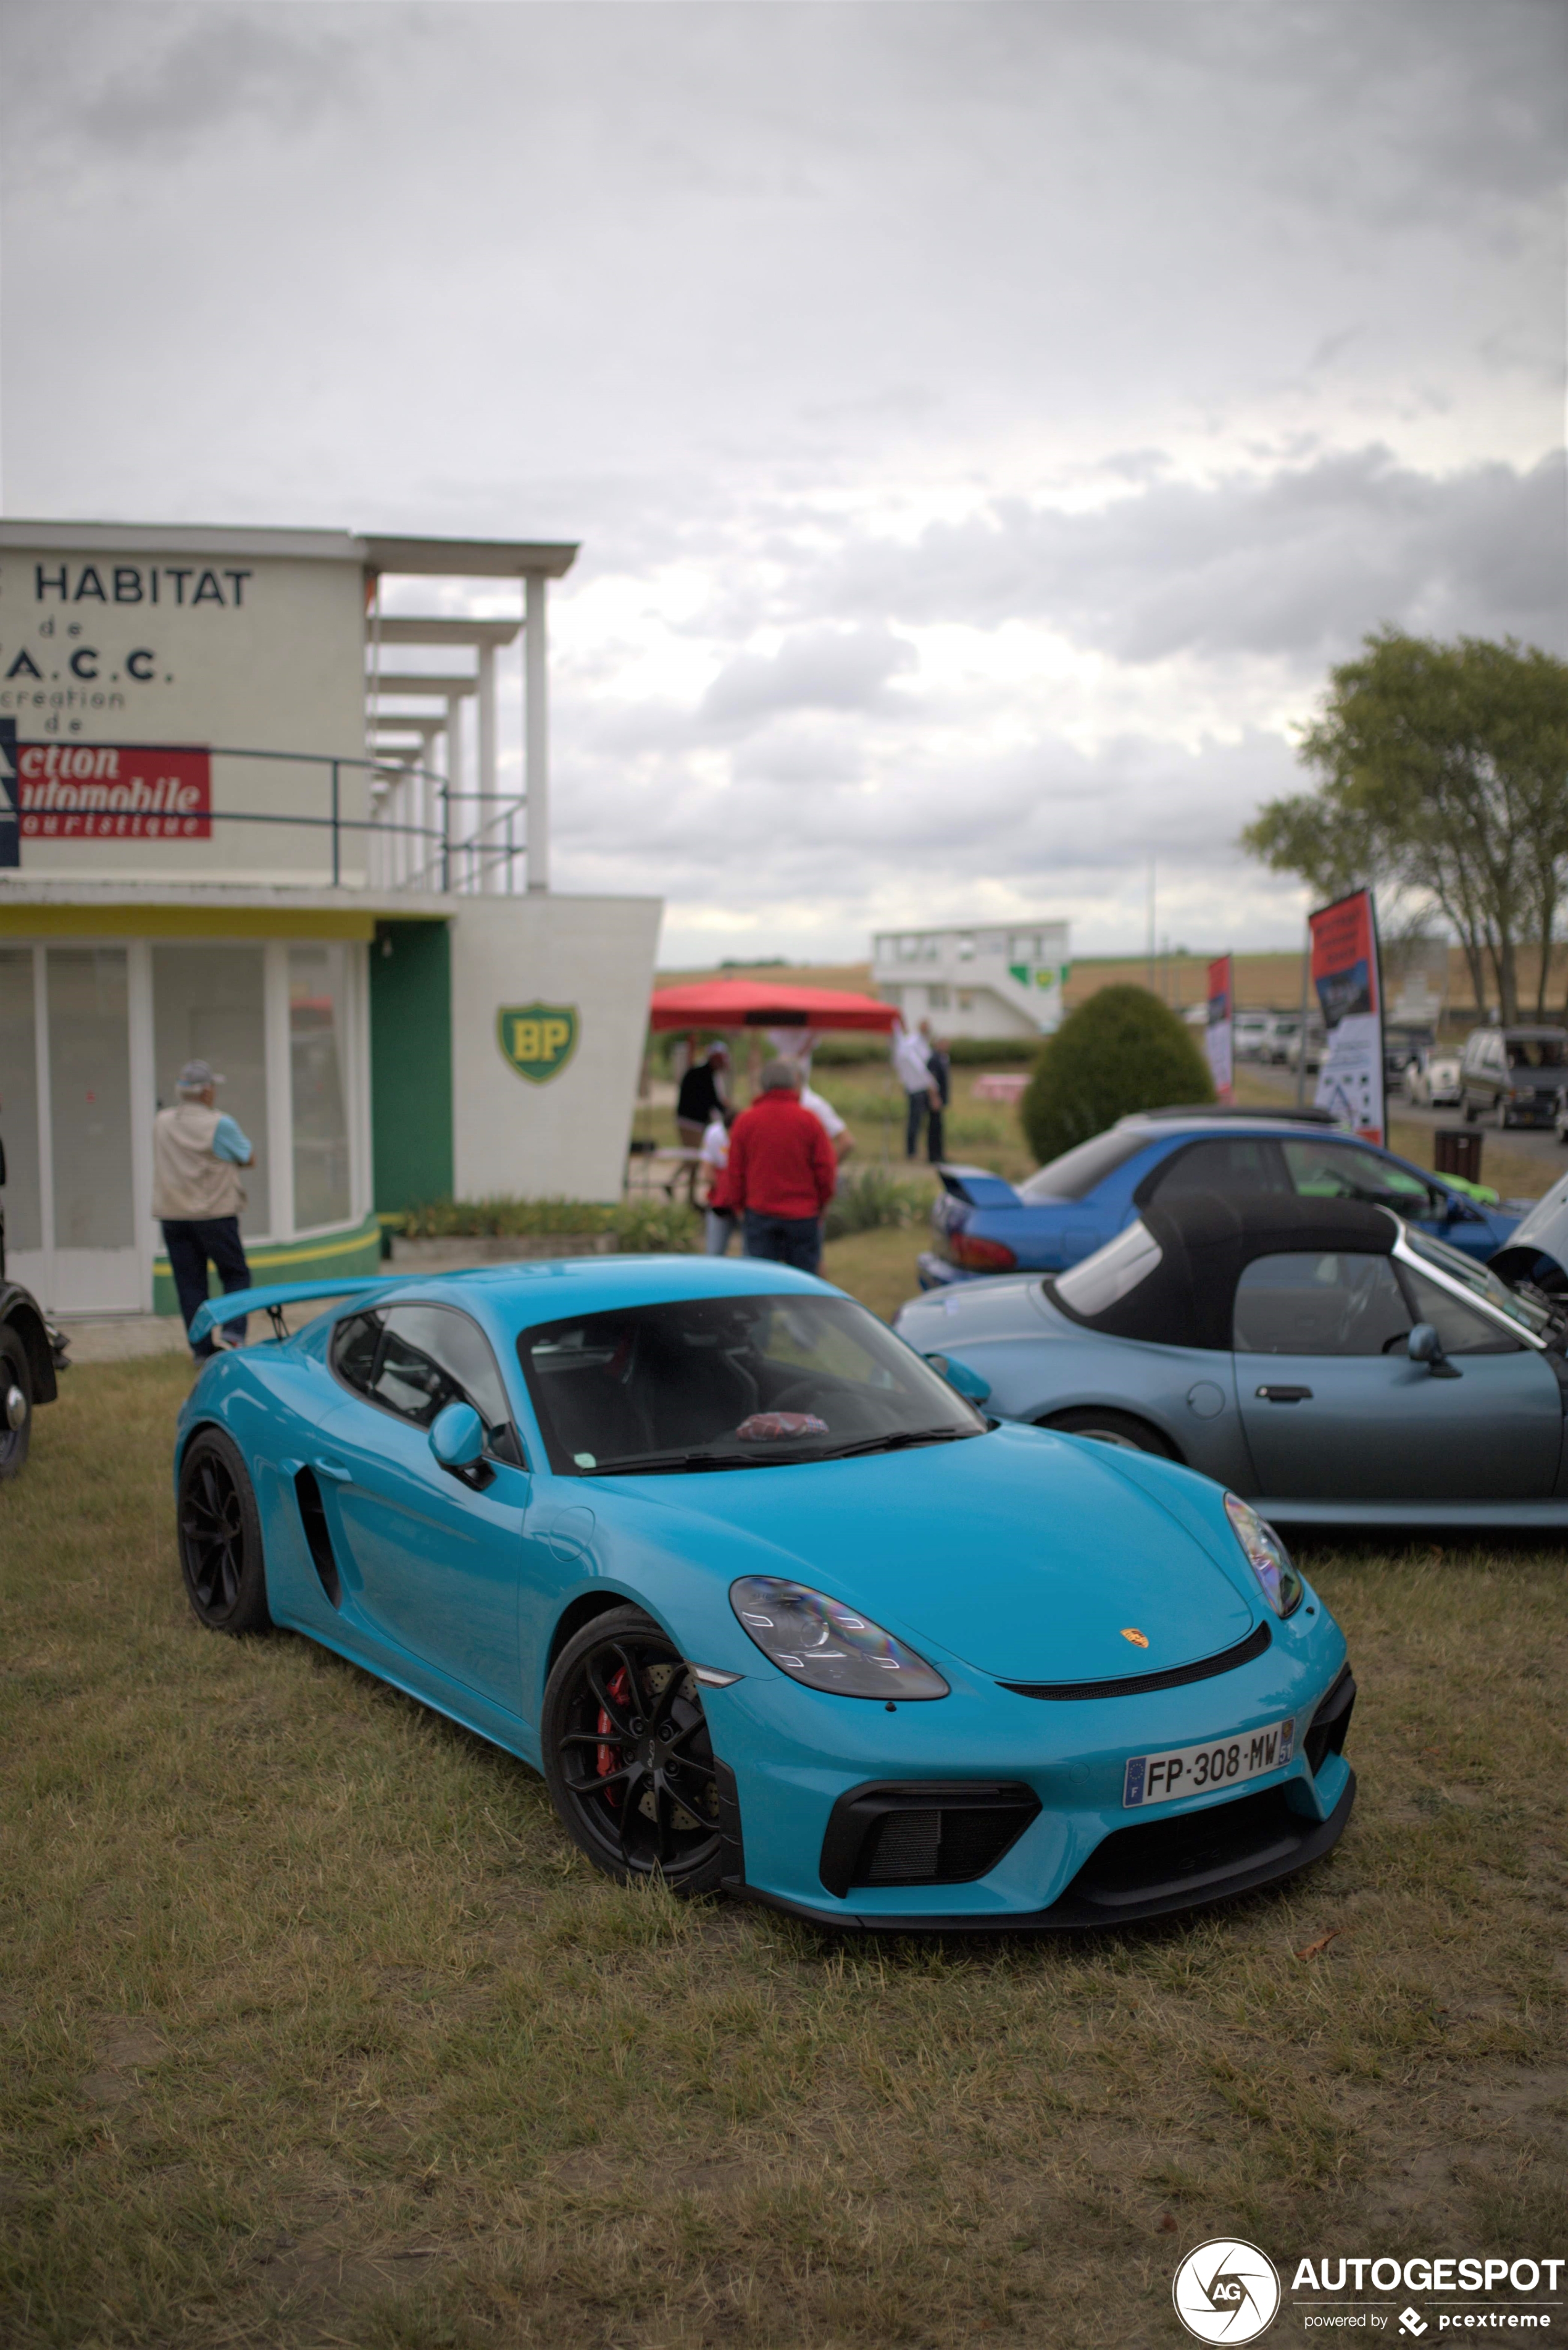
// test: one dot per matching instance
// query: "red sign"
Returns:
(109, 791)
(1344, 971)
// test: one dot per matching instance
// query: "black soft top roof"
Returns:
(1206, 1243)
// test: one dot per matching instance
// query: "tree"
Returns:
(1121, 1051)
(1444, 773)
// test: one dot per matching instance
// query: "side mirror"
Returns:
(959, 1375)
(457, 1437)
(1424, 1346)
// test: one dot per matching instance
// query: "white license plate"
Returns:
(1194, 1770)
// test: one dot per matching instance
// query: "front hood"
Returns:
(1024, 1553)
(1543, 1232)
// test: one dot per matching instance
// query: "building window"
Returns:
(966, 999)
(207, 1005)
(966, 946)
(318, 1030)
(19, 1100)
(937, 997)
(89, 1097)
(908, 950)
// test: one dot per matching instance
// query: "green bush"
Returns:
(869, 1197)
(1121, 1051)
(667, 1227)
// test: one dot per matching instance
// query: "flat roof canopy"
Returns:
(753, 1004)
(446, 558)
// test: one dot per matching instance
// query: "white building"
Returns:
(981, 981)
(245, 816)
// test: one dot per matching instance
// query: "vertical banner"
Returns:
(1220, 1033)
(10, 797)
(1349, 983)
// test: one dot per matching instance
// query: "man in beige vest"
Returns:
(197, 1155)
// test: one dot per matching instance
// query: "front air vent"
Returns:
(923, 1832)
(313, 1517)
(1330, 1722)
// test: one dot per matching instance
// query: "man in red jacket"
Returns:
(781, 1172)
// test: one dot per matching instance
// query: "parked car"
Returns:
(1513, 1074)
(1306, 1045)
(1250, 1034)
(32, 1354)
(773, 1607)
(1401, 1045)
(983, 1225)
(1431, 1078)
(1282, 1027)
(1324, 1358)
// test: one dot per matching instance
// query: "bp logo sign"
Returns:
(538, 1039)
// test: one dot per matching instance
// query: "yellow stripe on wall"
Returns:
(214, 921)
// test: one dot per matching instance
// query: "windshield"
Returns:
(1075, 1175)
(1480, 1282)
(1535, 1053)
(731, 1383)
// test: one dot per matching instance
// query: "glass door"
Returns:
(21, 1201)
(96, 1266)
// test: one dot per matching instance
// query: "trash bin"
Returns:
(1458, 1153)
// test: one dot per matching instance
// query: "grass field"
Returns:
(318, 2031)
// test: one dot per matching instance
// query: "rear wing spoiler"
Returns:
(238, 1301)
(978, 1186)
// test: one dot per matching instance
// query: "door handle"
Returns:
(337, 1472)
(1285, 1395)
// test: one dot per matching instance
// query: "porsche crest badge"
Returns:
(1130, 1632)
(538, 1039)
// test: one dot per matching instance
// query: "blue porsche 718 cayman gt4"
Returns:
(772, 1604)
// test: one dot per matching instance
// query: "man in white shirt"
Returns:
(838, 1133)
(912, 1065)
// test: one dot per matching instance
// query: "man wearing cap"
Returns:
(781, 1172)
(197, 1195)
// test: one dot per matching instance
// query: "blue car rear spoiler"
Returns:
(272, 1301)
(979, 1186)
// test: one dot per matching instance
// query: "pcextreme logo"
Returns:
(538, 1039)
(1225, 2291)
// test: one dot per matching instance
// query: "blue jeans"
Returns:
(786, 1240)
(190, 1247)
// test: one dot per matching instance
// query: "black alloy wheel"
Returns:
(220, 1536)
(628, 1758)
(16, 1401)
(1116, 1427)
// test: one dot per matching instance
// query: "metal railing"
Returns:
(444, 858)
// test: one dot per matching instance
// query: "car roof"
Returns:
(1217, 1118)
(530, 1291)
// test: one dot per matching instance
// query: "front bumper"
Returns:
(1068, 1856)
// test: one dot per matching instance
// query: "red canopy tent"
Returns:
(762, 1003)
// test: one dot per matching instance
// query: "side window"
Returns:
(1339, 1170)
(1462, 1330)
(432, 1356)
(1320, 1301)
(1236, 1166)
(354, 1344)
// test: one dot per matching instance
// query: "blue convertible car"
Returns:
(769, 1604)
(1073, 1206)
(1329, 1360)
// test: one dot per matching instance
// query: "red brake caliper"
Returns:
(608, 1757)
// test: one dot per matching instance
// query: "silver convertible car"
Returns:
(1320, 1356)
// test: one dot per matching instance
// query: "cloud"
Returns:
(816, 669)
(1299, 562)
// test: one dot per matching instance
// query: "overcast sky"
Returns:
(984, 424)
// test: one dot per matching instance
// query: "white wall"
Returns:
(566, 1137)
(272, 657)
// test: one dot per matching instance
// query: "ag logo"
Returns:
(538, 1039)
(1225, 2291)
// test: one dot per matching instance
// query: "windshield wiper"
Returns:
(643, 1464)
(898, 1441)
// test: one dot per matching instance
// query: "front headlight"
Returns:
(1266, 1554)
(819, 1641)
